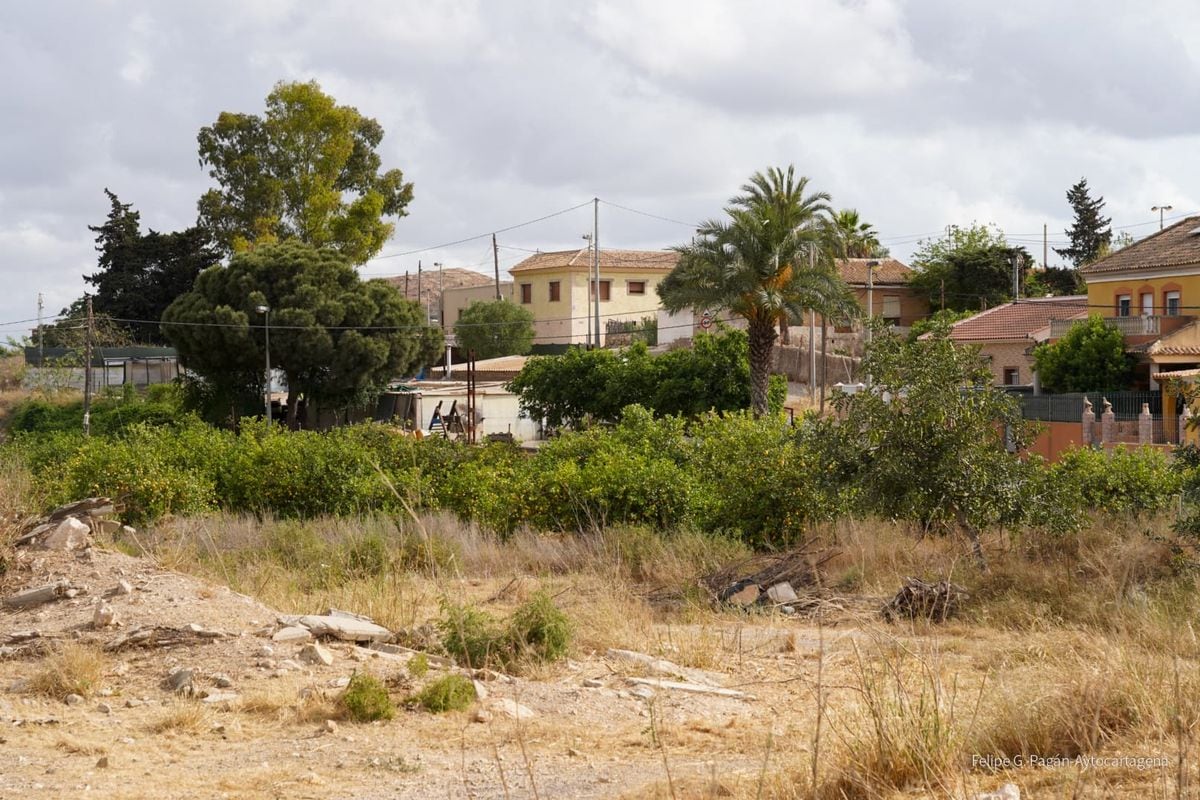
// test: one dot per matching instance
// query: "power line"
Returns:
(691, 225)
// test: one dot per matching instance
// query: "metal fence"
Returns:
(1126, 406)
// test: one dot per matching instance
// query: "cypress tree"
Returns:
(1090, 235)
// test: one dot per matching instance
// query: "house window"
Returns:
(1172, 304)
(636, 287)
(526, 293)
(1012, 376)
(891, 308)
(1123, 303)
(605, 290)
(1147, 304)
(555, 291)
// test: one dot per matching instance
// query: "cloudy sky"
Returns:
(920, 114)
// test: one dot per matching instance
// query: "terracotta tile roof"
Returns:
(1018, 320)
(888, 272)
(1180, 342)
(664, 260)
(431, 282)
(1175, 246)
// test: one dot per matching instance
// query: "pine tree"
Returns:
(1090, 235)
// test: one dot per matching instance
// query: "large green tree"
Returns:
(971, 268)
(1091, 357)
(337, 339)
(140, 274)
(494, 328)
(851, 237)
(1090, 234)
(755, 263)
(307, 169)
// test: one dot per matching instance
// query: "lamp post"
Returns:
(1161, 210)
(871, 265)
(266, 312)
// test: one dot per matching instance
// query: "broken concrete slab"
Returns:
(316, 654)
(213, 698)
(346, 628)
(292, 633)
(512, 709)
(660, 666)
(38, 595)
(782, 593)
(694, 688)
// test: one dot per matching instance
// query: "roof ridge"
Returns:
(1095, 265)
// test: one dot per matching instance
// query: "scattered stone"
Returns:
(571, 751)
(102, 762)
(1009, 791)
(593, 683)
(339, 683)
(512, 709)
(330, 726)
(182, 681)
(220, 697)
(289, 663)
(917, 599)
(481, 715)
(644, 692)
(104, 708)
(787, 610)
(41, 594)
(218, 727)
(266, 651)
(481, 690)
(73, 699)
(346, 628)
(104, 616)
(742, 593)
(222, 681)
(133, 702)
(19, 686)
(70, 534)
(105, 692)
(122, 587)
(292, 633)
(316, 654)
(782, 593)
(279, 673)
(660, 666)
(337, 612)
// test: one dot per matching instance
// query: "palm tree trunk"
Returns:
(762, 338)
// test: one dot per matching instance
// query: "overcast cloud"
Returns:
(920, 114)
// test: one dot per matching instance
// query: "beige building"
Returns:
(460, 298)
(556, 287)
(1007, 334)
(436, 283)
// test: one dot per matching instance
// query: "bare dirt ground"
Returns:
(593, 733)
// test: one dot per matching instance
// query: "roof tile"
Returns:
(1175, 246)
(1017, 320)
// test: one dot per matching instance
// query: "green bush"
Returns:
(539, 630)
(1120, 481)
(366, 700)
(472, 637)
(451, 692)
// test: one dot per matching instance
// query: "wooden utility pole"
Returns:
(421, 299)
(596, 263)
(87, 372)
(824, 360)
(496, 264)
(41, 333)
(943, 282)
(405, 284)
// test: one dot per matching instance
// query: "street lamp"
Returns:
(1161, 210)
(266, 312)
(871, 265)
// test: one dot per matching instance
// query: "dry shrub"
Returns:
(185, 716)
(72, 669)
(907, 730)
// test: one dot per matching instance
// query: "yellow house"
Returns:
(1150, 291)
(556, 287)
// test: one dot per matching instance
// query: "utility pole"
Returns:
(405, 284)
(496, 264)
(871, 265)
(421, 299)
(1017, 261)
(943, 282)
(1045, 248)
(41, 333)
(824, 360)
(87, 372)
(596, 262)
(812, 335)
(441, 294)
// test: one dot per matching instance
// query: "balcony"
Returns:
(1143, 325)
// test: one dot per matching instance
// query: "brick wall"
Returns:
(1009, 354)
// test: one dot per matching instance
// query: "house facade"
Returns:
(1007, 334)
(458, 299)
(557, 289)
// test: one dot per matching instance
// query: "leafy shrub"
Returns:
(1121, 481)
(418, 665)
(451, 692)
(471, 636)
(539, 630)
(366, 556)
(366, 700)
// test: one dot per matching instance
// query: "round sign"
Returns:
(706, 320)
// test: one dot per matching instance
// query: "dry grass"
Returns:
(72, 669)
(184, 717)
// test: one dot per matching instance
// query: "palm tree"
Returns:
(756, 265)
(850, 237)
